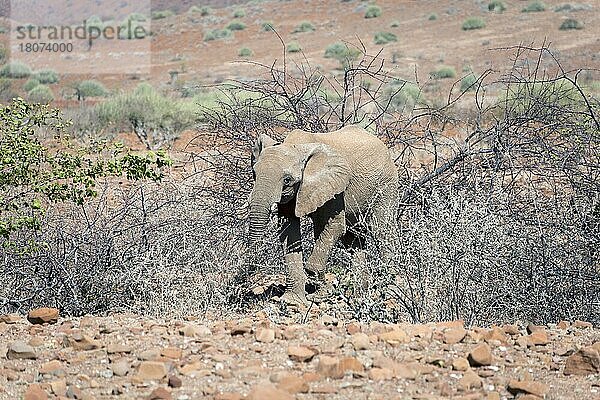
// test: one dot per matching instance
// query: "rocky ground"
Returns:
(43, 356)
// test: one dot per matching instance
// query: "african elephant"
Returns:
(334, 178)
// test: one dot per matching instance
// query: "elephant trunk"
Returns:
(263, 196)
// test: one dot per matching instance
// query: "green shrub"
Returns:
(497, 6)
(444, 73)
(15, 70)
(473, 23)
(90, 88)
(267, 26)
(236, 26)
(137, 17)
(569, 24)
(216, 34)
(537, 99)
(293, 47)
(245, 52)
(401, 96)
(468, 83)
(239, 13)
(395, 24)
(133, 33)
(36, 174)
(341, 52)
(534, 6)
(149, 113)
(385, 37)
(432, 17)
(30, 84)
(2, 54)
(204, 11)
(305, 26)
(40, 94)
(162, 14)
(373, 11)
(46, 76)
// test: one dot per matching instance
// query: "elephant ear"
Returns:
(325, 174)
(261, 142)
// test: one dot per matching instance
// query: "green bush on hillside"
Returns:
(30, 84)
(293, 47)
(15, 70)
(46, 76)
(236, 26)
(534, 6)
(444, 72)
(239, 13)
(497, 6)
(304, 26)
(569, 24)
(468, 83)
(342, 53)
(162, 14)
(216, 34)
(385, 37)
(90, 88)
(473, 23)
(373, 11)
(245, 52)
(40, 94)
(267, 26)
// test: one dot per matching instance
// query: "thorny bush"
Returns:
(499, 212)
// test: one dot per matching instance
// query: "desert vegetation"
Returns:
(498, 224)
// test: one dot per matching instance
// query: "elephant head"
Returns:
(303, 175)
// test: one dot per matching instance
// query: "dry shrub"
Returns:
(498, 223)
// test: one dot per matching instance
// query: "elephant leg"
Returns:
(292, 248)
(329, 225)
(355, 242)
(385, 227)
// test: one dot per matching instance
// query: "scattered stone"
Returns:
(193, 330)
(160, 394)
(512, 330)
(564, 325)
(43, 316)
(300, 353)
(539, 337)
(120, 368)
(330, 367)
(394, 337)
(265, 335)
(151, 370)
(115, 348)
(496, 334)
(174, 353)
(20, 351)
(585, 361)
(228, 396)
(353, 328)
(582, 324)
(10, 318)
(527, 387)
(267, 391)
(293, 384)
(59, 387)
(54, 367)
(351, 364)
(175, 382)
(35, 392)
(454, 335)
(381, 374)
(481, 355)
(534, 328)
(81, 341)
(360, 341)
(470, 380)
(460, 364)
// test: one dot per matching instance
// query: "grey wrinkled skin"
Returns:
(334, 178)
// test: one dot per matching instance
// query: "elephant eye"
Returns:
(287, 180)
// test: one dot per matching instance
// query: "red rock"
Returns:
(527, 387)
(51, 367)
(324, 388)
(460, 364)
(360, 341)
(160, 394)
(330, 367)
(351, 364)
(228, 396)
(175, 382)
(496, 333)
(115, 348)
(539, 337)
(300, 353)
(394, 337)
(151, 370)
(564, 325)
(454, 335)
(533, 328)
(35, 392)
(81, 341)
(174, 353)
(585, 361)
(353, 328)
(512, 330)
(380, 374)
(59, 387)
(481, 355)
(20, 351)
(582, 324)
(10, 318)
(268, 392)
(470, 380)
(265, 335)
(43, 315)
(459, 323)
(293, 384)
